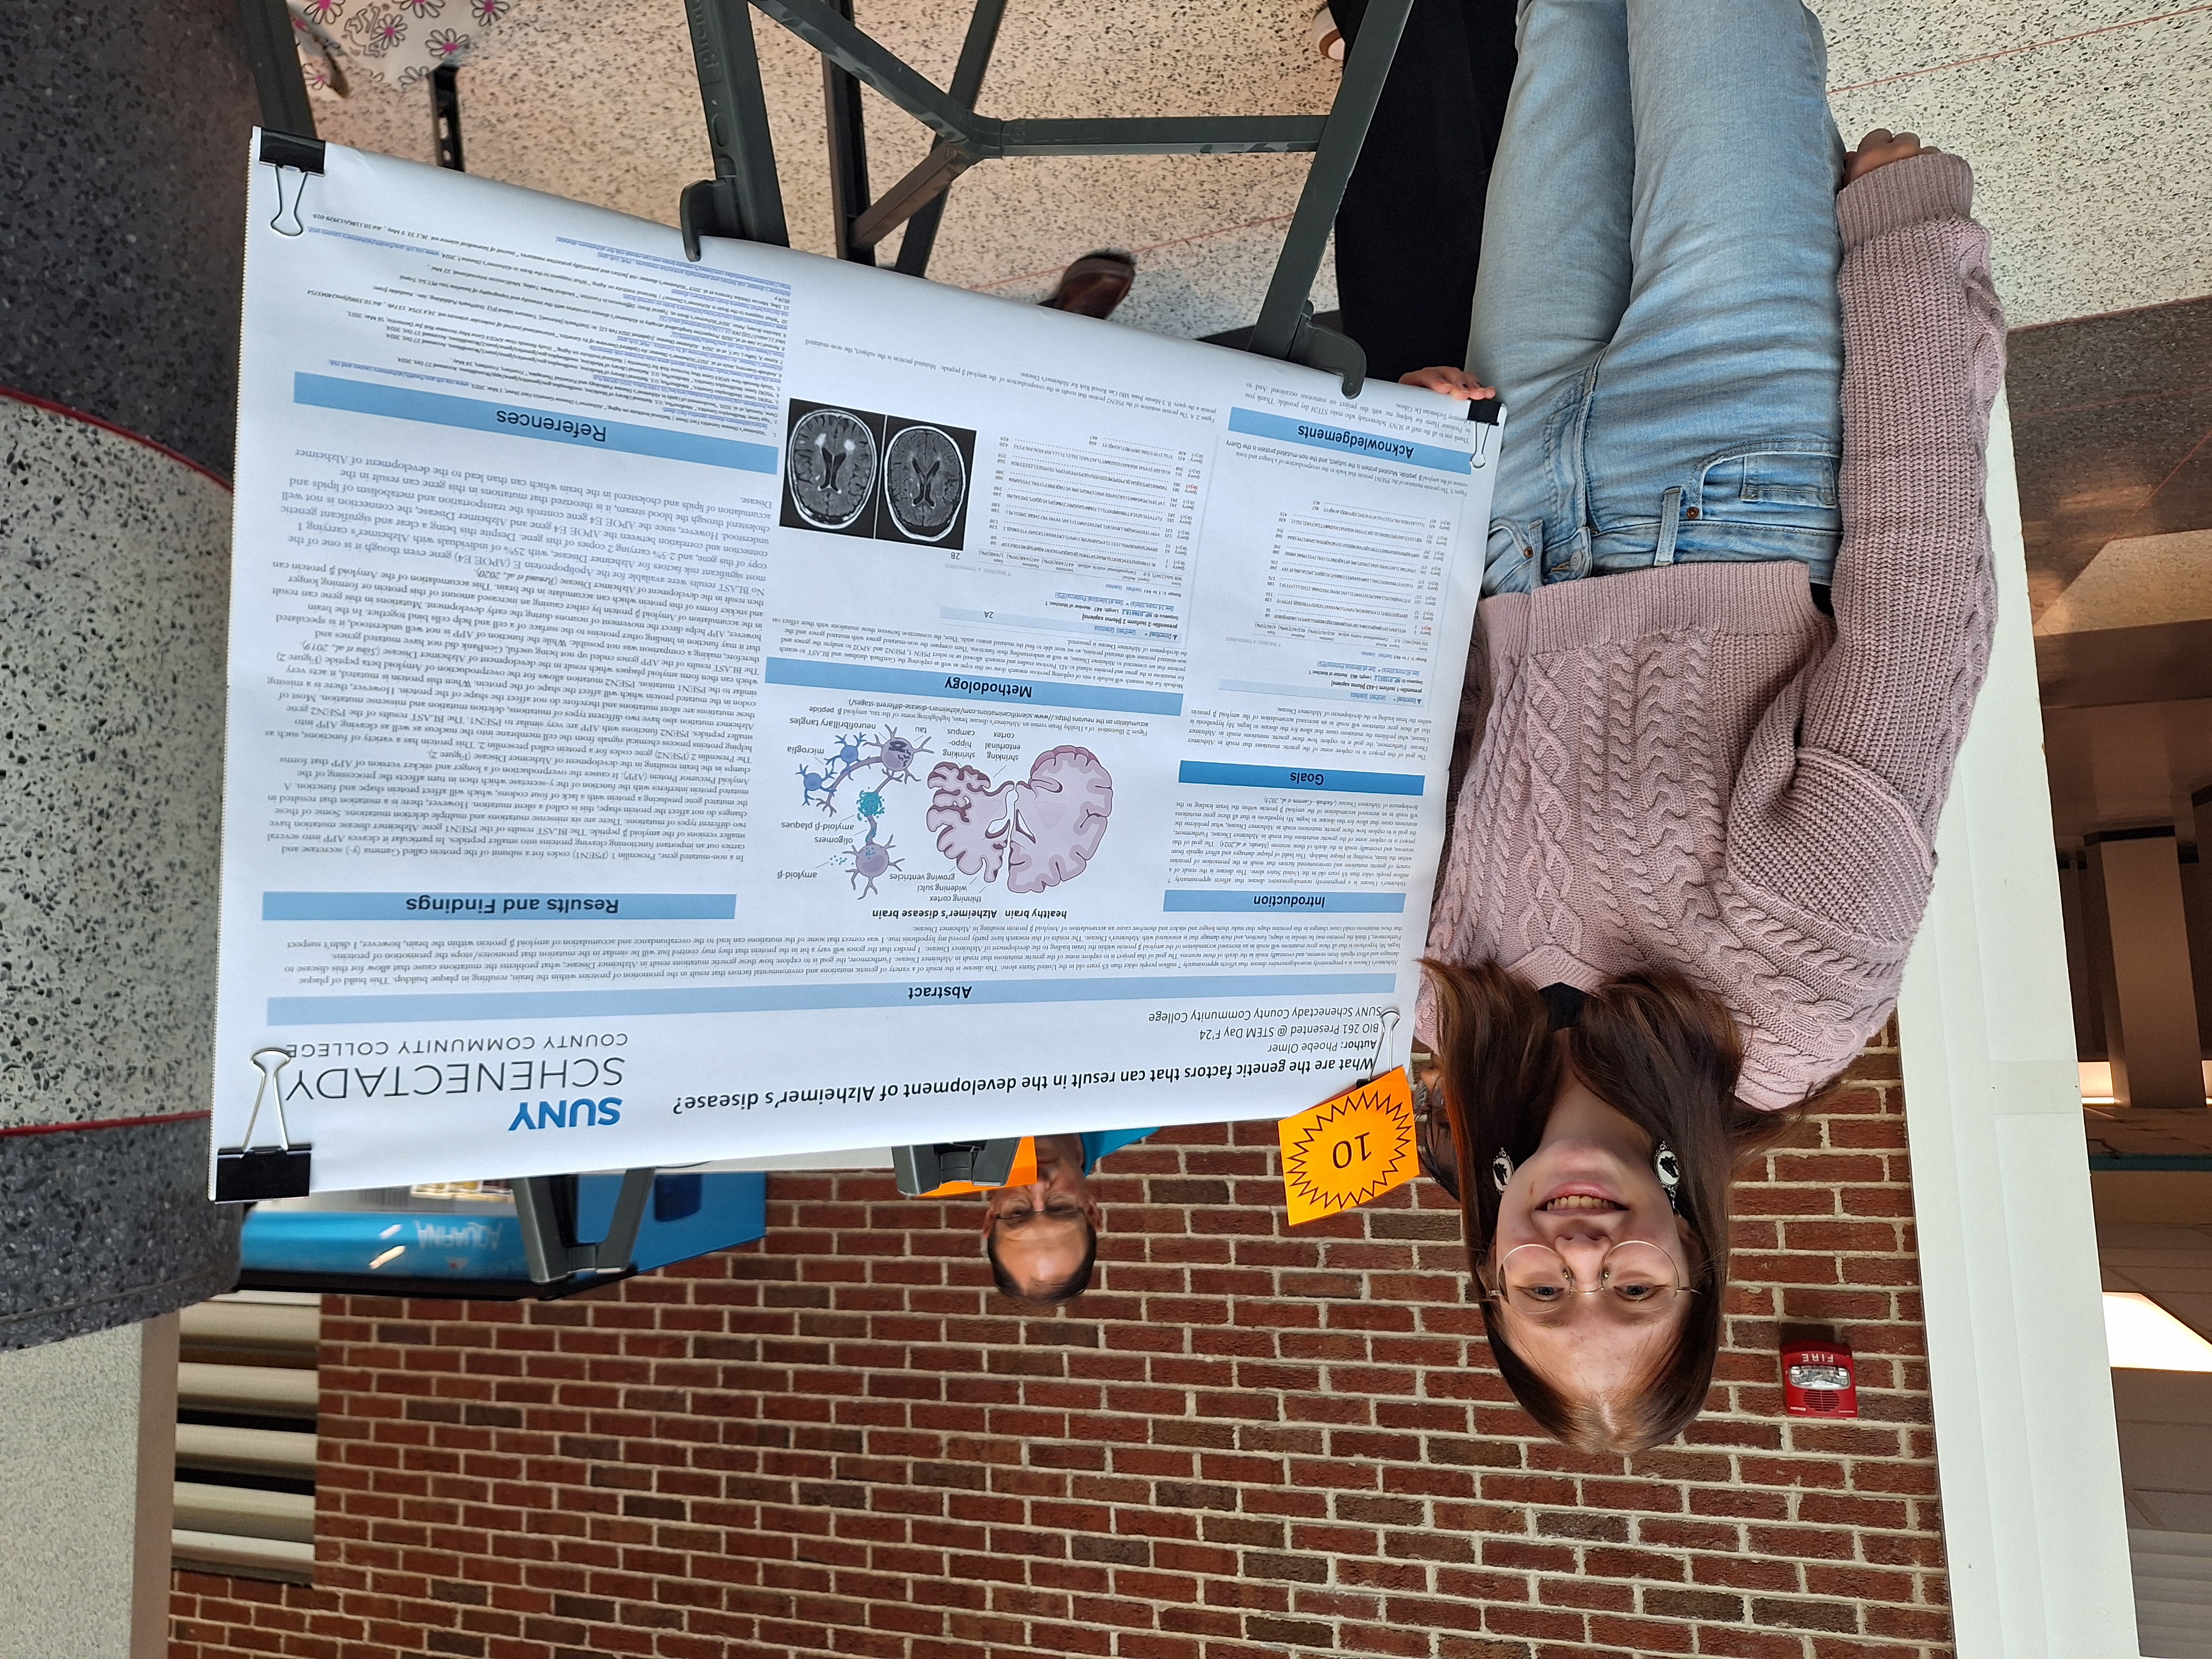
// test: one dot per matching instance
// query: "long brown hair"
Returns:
(1666, 1055)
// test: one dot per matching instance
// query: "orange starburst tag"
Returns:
(1351, 1149)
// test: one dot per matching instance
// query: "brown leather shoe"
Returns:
(1095, 284)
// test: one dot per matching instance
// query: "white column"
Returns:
(2155, 1048)
(88, 1456)
(2026, 1449)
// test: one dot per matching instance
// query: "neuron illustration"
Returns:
(890, 755)
(870, 859)
(1041, 830)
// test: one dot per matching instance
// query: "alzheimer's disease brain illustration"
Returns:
(1041, 830)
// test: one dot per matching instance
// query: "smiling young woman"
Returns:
(1598, 1134)
(1737, 607)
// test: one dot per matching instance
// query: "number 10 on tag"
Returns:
(1351, 1149)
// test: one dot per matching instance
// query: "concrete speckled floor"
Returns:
(2086, 121)
(598, 103)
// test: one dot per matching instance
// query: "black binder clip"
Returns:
(1486, 413)
(246, 1172)
(293, 159)
(923, 1170)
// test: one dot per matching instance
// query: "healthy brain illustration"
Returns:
(1042, 829)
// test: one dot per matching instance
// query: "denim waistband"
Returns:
(1769, 500)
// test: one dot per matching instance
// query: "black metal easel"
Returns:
(743, 198)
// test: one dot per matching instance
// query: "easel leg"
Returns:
(743, 198)
(276, 61)
(445, 115)
(1364, 71)
(967, 86)
(848, 154)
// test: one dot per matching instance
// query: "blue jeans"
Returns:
(1657, 298)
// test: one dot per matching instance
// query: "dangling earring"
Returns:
(1665, 1165)
(1501, 1170)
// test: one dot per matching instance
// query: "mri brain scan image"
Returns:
(924, 480)
(832, 468)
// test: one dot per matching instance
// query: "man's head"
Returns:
(1042, 1237)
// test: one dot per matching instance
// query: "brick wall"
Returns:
(1246, 1441)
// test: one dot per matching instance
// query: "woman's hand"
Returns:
(1452, 382)
(1878, 150)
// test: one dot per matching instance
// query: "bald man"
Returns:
(1042, 1236)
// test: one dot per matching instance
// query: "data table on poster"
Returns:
(694, 710)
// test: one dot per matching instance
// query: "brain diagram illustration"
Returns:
(1036, 831)
(1040, 831)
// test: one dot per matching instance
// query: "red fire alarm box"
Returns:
(1819, 1380)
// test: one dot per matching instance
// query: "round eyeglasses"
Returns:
(1532, 1277)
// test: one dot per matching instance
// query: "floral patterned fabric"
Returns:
(398, 41)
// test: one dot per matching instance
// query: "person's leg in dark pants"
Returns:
(1409, 232)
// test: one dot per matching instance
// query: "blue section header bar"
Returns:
(1344, 441)
(969, 687)
(473, 415)
(1329, 779)
(1288, 904)
(498, 907)
(783, 999)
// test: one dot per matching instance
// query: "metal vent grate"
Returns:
(247, 1395)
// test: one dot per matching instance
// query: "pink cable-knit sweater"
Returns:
(1692, 766)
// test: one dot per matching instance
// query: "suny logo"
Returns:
(567, 1115)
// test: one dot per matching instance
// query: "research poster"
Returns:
(698, 711)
